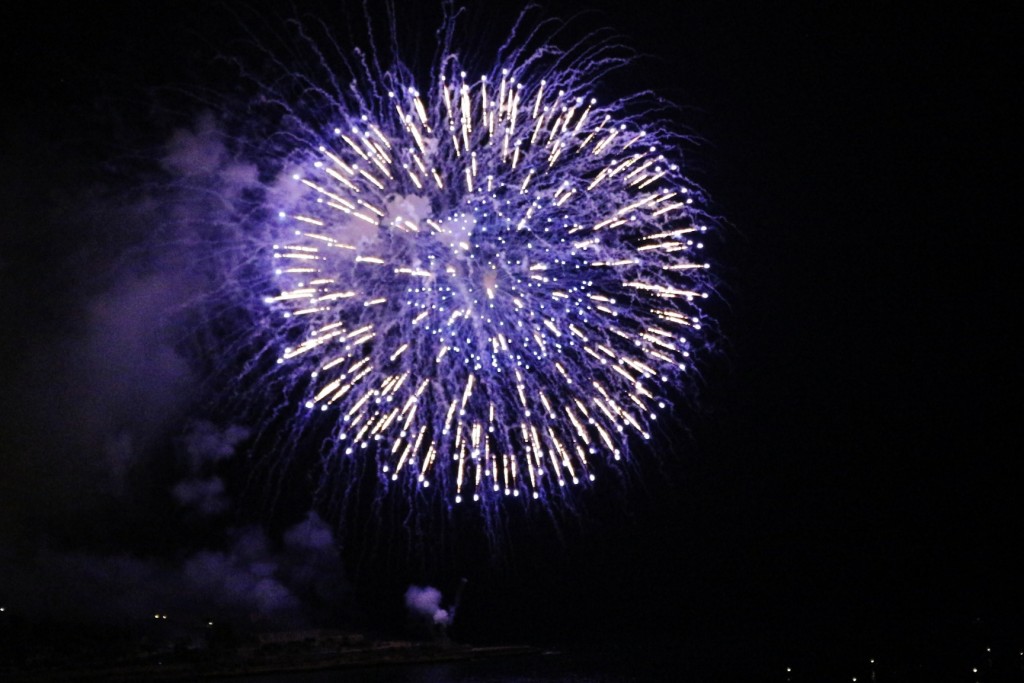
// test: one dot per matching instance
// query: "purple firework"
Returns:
(488, 281)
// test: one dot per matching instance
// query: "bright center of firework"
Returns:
(489, 285)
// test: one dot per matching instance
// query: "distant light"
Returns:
(209, 623)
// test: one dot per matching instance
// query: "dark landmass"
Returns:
(276, 652)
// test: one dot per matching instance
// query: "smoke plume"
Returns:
(425, 602)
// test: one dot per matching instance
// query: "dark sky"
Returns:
(850, 480)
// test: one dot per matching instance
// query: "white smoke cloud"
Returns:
(200, 152)
(251, 579)
(97, 282)
(425, 602)
(205, 445)
(95, 309)
(242, 577)
(204, 495)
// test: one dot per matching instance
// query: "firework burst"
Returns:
(488, 283)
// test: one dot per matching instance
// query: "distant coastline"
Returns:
(289, 656)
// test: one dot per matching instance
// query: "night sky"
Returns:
(847, 484)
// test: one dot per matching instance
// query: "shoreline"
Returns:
(394, 654)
